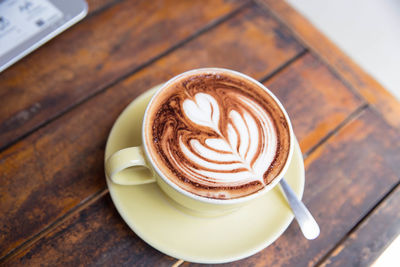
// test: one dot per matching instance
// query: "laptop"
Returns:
(27, 24)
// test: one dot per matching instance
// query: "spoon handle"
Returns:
(306, 221)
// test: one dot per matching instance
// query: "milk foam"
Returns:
(241, 154)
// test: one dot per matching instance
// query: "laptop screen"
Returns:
(22, 19)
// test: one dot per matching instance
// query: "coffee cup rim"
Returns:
(238, 200)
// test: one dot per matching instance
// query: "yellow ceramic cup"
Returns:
(132, 166)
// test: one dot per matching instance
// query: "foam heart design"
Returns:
(203, 111)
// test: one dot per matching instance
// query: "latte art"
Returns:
(217, 135)
(243, 150)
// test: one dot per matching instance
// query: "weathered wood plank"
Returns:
(93, 54)
(96, 236)
(317, 102)
(97, 5)
(61, 165)
(362, 82)
(345, 178)
(371, 238)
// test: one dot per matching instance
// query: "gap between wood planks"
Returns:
(284, 65)
(358, 225)
(47, 229)
(101, 9)
(354, 115)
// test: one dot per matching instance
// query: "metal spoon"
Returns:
(306, 221)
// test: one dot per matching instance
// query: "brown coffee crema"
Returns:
(217, 135)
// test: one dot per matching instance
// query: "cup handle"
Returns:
(128, 167)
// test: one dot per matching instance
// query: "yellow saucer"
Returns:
(231, 237)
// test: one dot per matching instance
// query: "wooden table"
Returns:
(59, 103)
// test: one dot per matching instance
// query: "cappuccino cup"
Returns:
(212, 139)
